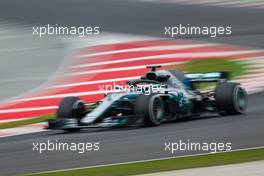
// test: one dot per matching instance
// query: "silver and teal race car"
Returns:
(157, 97)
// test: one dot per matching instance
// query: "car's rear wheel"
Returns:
(71, 108)
(231, 99)
(152, 108)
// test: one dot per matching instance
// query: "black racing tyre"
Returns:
(152, 108)
(231, 98)
(71, 107)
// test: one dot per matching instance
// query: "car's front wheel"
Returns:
(71, 109)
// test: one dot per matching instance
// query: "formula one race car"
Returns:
(158, 96)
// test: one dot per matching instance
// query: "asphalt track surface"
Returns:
(131, 144)
(140, 143)
(127, 16)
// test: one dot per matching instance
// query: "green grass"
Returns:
(165, 165)
(236, 68)
(26, 122)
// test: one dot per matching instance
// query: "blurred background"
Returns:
(36, 72)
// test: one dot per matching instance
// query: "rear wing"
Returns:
(208, 77)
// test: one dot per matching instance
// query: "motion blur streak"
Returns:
(47, 100)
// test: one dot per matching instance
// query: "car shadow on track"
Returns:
(95, 130)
